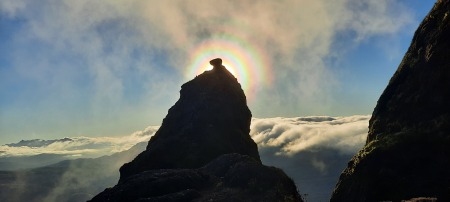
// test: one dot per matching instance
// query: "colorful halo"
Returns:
(249, 66)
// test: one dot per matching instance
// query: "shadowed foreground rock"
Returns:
(407, 153)
(203, 151)
(231, 177)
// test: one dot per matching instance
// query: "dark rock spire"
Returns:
(408, 146)
(203, 151)
(211, 118)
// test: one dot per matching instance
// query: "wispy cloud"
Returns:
(117, 57)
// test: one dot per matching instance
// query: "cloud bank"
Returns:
(288, 135)
(78, 147)
(294, 135)
(312, 150)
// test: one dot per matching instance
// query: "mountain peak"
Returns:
(211, 118)
(203, 151)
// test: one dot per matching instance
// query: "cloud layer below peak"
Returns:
(293, 135)
(312, 150)
(287, 135)
(77, 147)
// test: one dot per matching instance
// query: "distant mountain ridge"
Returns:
(65, 181)
(37, 142)
(13, 163)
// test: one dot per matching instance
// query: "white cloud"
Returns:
(319, 164)
(370, 18)
(312, 150)
(85, 147)
(294, 135)
(10, 7)
(296, 37)
(288, 135)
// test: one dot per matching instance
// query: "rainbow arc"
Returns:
(247, 63)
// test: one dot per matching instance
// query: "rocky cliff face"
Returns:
(211, 118)
(407, 153)
(203, 151)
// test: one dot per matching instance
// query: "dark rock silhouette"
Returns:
(211, 118)
(231, 177)
(203, 151)
(407, 153)
(216, 62)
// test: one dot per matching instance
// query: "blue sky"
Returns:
(70, 68)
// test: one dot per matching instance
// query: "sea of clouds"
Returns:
(79, 147)
(288, 136)
(312, 150)
(293, 135)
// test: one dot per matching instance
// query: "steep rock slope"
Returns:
(407, 153)
(203, 151)
(211, 118)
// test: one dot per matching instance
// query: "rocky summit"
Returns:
(407, 153)
(203, 151)
(211, 118)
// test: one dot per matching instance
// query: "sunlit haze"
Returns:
(109, 68)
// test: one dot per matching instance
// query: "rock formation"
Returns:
(203, 151)
(210, 118)
(231, 177)
(407, 153)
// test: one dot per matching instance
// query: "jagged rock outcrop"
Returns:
(407, 153)
(211, 118)
(203, 151)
